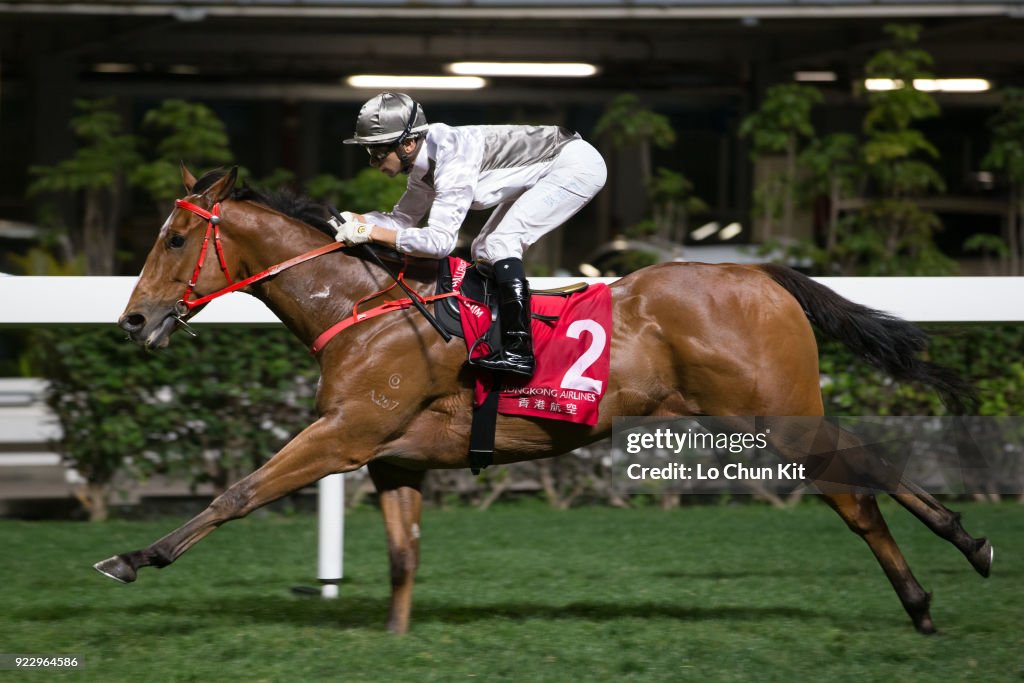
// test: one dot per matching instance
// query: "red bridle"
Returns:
(212, 218)
(213, 229)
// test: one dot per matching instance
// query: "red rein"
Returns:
(212, 218)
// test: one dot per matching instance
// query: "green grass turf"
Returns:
(521, 592)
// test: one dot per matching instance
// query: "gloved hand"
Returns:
(351, 231)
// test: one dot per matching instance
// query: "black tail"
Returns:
(886, 342)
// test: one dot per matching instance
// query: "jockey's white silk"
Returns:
(537, 177)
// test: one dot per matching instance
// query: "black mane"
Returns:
(285, 200)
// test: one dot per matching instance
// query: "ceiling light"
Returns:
(114, 68)
(705, 231)
(730, 231)
(930, 84)
(882, 84)
(385, 82)
(542, 69)
(952, 84)
(815, 76)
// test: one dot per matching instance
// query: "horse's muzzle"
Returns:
(132, 323)
(141, 331)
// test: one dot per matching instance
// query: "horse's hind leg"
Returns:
(799, 438)
(861, 514)
(311, 455)
(401, 501)
(946, 525)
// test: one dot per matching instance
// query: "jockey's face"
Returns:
(385, 157)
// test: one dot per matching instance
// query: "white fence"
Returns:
(26, 301)
(35, 301)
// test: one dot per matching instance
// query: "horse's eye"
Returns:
(176, 241)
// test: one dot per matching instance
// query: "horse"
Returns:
(688, 339)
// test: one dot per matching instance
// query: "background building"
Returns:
(275, 70)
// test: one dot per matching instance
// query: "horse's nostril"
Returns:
(133, 322)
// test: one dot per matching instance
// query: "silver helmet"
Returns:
(388, 118)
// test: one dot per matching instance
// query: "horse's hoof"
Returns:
(925, 626)
(116, 568)
(981, 559)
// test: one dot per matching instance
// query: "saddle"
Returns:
(471, 316)
(458, 275)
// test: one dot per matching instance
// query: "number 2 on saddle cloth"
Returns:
(571, 343)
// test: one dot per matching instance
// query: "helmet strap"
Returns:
(408, 159)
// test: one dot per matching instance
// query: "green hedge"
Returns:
(989, 355)
(208, 409)
(213, 408)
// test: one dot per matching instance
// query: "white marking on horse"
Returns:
(322, 294)
(415, 531)
(166, 226)
(394, 381)
(383, 401)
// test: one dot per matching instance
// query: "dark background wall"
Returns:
(274, 72)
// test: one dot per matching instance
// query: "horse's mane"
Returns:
(285, 200)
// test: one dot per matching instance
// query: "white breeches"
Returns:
(574, 177)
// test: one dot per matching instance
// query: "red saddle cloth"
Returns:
(573, 354)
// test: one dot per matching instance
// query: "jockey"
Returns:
(535, 177)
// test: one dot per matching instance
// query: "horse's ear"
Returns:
(187, 178)
(220, 190)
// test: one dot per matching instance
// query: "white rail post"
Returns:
(331, 533)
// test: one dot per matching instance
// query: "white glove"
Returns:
(351, 231)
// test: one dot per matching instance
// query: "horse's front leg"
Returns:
(401, 501)
(316, 452)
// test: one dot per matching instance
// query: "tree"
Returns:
(97, 170)
(896, 156)
(673, 201)
(368, 190)
(187, 131)
(627, 123)
(834, 170)
(875, 224)
(777, 127)
(1006, 155)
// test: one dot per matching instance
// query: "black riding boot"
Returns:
(516, 354)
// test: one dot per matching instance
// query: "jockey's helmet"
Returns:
(388, 118)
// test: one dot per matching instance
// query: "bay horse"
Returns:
(688, 339)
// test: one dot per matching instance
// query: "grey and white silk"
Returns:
(537, 177)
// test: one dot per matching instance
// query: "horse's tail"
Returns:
(885, 341)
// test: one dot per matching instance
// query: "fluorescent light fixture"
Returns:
(542, 69)
(930, 84)
(387, 82)
(705, 231)
(882, 84)
(183, 69)
(815, 76)
(114, 68)
(952, 84)
(730, 231)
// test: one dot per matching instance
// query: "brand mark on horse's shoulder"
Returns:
(394, 380)
(383, 401)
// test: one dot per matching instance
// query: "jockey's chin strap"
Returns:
(185, 305)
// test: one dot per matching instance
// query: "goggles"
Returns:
(378, 153)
